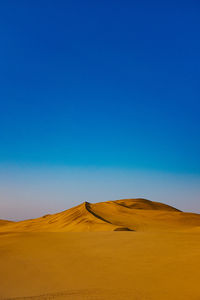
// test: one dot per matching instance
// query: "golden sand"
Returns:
(125, 249)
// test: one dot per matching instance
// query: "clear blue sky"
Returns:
(100, 84)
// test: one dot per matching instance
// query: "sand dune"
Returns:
(5, 222)
(79, 218)
(126, 214)
(126, 249)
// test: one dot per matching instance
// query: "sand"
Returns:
(82, 256)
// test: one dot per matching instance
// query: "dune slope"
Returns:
(78, 218)
(5, 222)
(119, 215)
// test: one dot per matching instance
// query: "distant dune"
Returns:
(5, 222)
(119, 215)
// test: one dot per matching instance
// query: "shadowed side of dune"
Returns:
(88, 207)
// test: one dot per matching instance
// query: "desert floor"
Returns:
(100, 265)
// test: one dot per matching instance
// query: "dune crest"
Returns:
(120, 215)
(141, 203)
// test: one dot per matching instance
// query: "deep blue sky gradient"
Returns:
(112, 83)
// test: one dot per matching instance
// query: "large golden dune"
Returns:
(127, 214)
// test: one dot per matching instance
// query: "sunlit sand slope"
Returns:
(119, 215)
(145, 215)
(78, 218)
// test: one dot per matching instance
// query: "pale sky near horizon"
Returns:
(32, 192)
